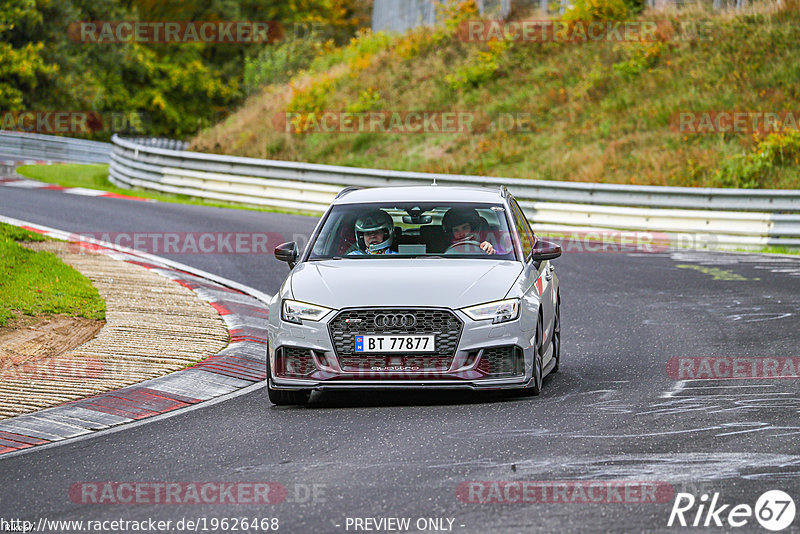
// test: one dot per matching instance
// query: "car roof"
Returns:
(421, 193)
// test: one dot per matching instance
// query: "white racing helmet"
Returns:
(372, 222)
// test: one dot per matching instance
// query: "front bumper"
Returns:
(467, 370)
(396, 385)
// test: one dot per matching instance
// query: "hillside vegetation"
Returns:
(143, 86)
(599, 111)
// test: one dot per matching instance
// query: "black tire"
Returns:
(288, 398)
(556, 338)
(538, 366)
(280, 397)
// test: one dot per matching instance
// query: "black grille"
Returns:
(442, 323)
(409, 363)
(500, 362)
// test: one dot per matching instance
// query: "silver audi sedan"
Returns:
(415, 287)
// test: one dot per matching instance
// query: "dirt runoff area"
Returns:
(153, 326)
(27, 339)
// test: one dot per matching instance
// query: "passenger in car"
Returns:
(374, 234)
(463, 227)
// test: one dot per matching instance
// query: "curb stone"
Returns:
(15, 180)
(241, 364)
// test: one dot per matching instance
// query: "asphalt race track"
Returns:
(613, 412)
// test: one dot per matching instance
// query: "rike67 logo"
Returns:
(774, 510)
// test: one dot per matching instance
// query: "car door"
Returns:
(540, 274)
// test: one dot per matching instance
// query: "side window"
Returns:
(523, 229)
(526, 223)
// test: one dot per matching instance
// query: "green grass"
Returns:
(780, 250)
(69, 175)
(771, 250)
(37, 283)
(96, 177)
(600, 112)
(15, 233)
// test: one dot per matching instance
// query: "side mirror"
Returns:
(287, 252)
(545, 250)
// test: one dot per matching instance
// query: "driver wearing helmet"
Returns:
(463, 226)
(374, 233)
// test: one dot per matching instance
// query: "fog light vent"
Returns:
(502, 362)
(291, 362)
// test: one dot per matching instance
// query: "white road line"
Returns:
(25, 184)
(84, 192)
(705, 396)
(736, 386)
(677, 388)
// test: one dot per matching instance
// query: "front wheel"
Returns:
(556, 341)
(288, 398)
(280, 397)
(538, 365)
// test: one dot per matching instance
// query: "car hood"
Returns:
(451, 283)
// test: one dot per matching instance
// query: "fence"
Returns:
(24, 146)
(401, 15)
(709, 217)
(726, 217)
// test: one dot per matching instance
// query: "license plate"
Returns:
(390, 343)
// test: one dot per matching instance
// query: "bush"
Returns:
(313, 97)
(478, 68)
(368, 100)
(364, 44)
(596, 10)
(277, 64)
(642, 56)
(454, 12)
(753, 170)
(418, 42)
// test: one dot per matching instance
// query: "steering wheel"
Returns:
(470, 246)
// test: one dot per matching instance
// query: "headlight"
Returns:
(500, 311)
(296, 312)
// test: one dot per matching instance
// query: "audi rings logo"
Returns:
(395, 320)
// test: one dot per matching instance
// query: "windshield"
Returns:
(398, 230)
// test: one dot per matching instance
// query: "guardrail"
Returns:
(22, 146)
(159, 142)
(699, 217)
(716, 217)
